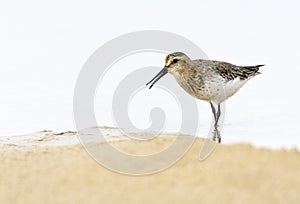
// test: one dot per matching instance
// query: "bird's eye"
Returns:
(175, 61)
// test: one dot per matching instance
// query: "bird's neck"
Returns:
(185, 72)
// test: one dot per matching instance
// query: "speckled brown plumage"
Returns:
(229, 71)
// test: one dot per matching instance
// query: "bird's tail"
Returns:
(252, 70)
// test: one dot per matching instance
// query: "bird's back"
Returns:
(227, 70)
(221, 79)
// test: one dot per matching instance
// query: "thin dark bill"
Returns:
(157, 77)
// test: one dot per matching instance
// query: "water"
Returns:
(264, 113)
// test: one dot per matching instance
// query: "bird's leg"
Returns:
(217, 135)
(213, 110)
(217, 120)
(218, 113)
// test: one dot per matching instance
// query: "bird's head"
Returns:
(175, 63)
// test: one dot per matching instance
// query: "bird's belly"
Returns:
(212, 90)
(231, 87)
(219, 92)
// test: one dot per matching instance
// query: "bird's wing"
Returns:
(230, 72)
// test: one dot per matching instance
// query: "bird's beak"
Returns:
(157, 77)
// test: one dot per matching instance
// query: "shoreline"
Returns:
(46, 138)
(231, 174)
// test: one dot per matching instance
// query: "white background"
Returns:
(44, 44)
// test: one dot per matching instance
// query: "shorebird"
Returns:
(208, 80)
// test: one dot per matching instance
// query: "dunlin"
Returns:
(208, 80)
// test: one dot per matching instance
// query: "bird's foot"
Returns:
(217, 139)
(217, 135)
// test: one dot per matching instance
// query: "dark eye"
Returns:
(175, 61)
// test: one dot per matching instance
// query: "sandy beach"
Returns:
(232, 174)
